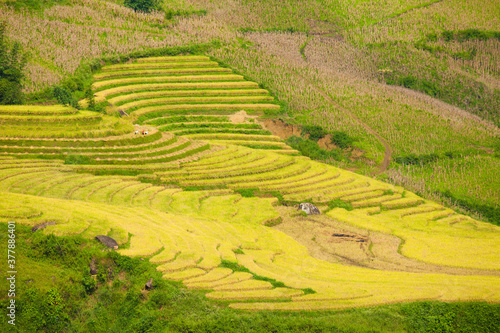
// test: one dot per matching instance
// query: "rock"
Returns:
(93, 267)
(108, 241)
(149, 284)
(309, 208)
(42, 226)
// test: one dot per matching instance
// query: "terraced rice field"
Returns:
(57, 132)
(194, 249)
(204, 133)
(25, 121)
(158, 92)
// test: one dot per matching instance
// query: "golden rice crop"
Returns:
(213, 275)
(245, 285)
(99, 85)
(195, 100)
(230, 279)
(207, 107)
(174, 58)
(240, 295)
(185, 274)
(208, 92)
(177, 86)
(147, 65)
(159, 71)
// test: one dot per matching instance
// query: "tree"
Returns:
(142, 5)
(12, 63)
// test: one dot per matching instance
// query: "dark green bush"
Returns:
(89, 284)
(342, 139)
(447, 35)
(315, 132)
(62, 95)
(415, 159)
(142, 5)
(312, 149)
(43, 312)
(454, 317)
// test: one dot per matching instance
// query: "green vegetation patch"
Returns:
(311, 149)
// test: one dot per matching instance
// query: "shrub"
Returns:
(62, 95)
(315, 132)
(142, 5)
(342, 139)
(414, 159)
(311, 149)
(447, 35)
(491, 213)
(44, 312)
(89, 284)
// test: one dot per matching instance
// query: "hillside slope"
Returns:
(203, 210)
(406, 74)
(182, 168)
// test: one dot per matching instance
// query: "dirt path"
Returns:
(407, 11)
(388, 150)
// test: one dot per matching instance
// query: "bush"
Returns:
(312, 149)
(414, 159)
(44, 312)
(63, 95)
(142, 5)
(454, 317)
(89, 284)
(315, 132)
(342, 139)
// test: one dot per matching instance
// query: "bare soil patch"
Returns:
(280, 128)
(326, 143)
(240, 117)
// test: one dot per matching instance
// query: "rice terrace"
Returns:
(250, 166)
